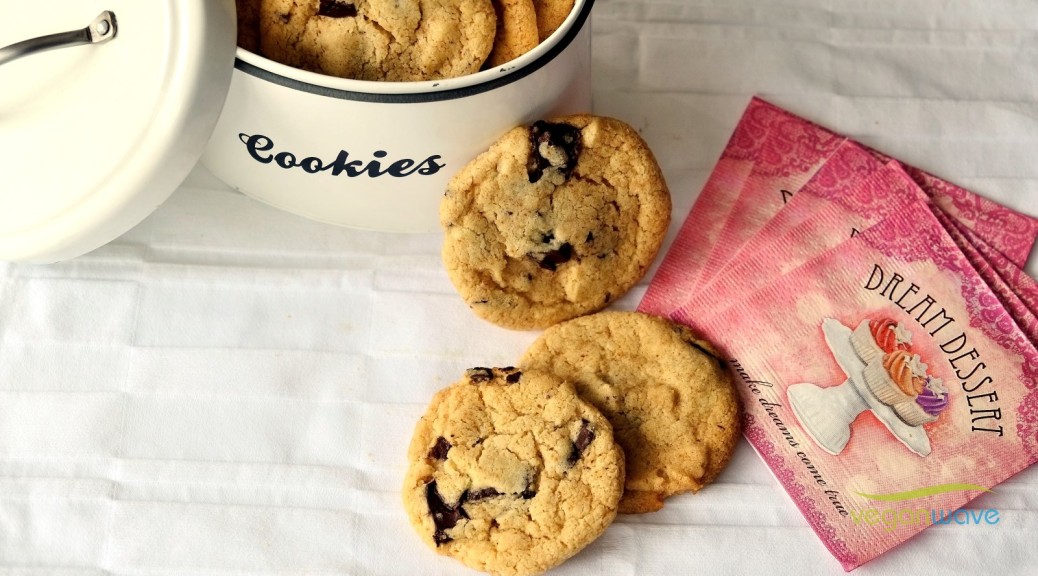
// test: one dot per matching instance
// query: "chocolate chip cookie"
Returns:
(511, 473)
(669, 398)
(516, 31)
(248, 24)
(396, 40)
(551, 14)
(555, 220)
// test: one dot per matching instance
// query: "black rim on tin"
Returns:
(441, 95)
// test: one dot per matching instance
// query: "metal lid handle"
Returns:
(102, 29)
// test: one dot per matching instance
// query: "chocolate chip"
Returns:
(444, 516)
(531, 487)
(533, 166)
(560, 141)
(482, 494)
(336, 9)
(584, 438)
(590, 237)
(552, 259)
(439, 450)
(514, 377)
(479, 374)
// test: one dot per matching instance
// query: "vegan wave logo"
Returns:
(892, 518)
(924, 492)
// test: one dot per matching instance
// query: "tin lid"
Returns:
(106, 106)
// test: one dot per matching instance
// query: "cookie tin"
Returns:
(378, 155)
(102, 118)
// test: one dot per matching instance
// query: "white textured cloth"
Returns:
(230, 389)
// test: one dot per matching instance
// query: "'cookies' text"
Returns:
(261, 149)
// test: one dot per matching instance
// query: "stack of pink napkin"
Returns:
(878, 323)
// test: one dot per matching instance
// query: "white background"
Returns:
(229, 389)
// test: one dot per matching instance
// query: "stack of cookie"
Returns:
(396, 40)
(513, 470)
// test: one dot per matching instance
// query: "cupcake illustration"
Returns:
(895, 375)
(898, 377)
(927, 404)
(878, 337)
(883, 374)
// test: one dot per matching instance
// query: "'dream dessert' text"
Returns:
(965, 360)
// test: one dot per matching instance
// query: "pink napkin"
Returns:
(768, 159)
(878, 324)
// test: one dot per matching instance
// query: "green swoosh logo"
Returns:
(921, 492)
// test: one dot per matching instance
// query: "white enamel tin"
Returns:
(94, 137)
(378, 155)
